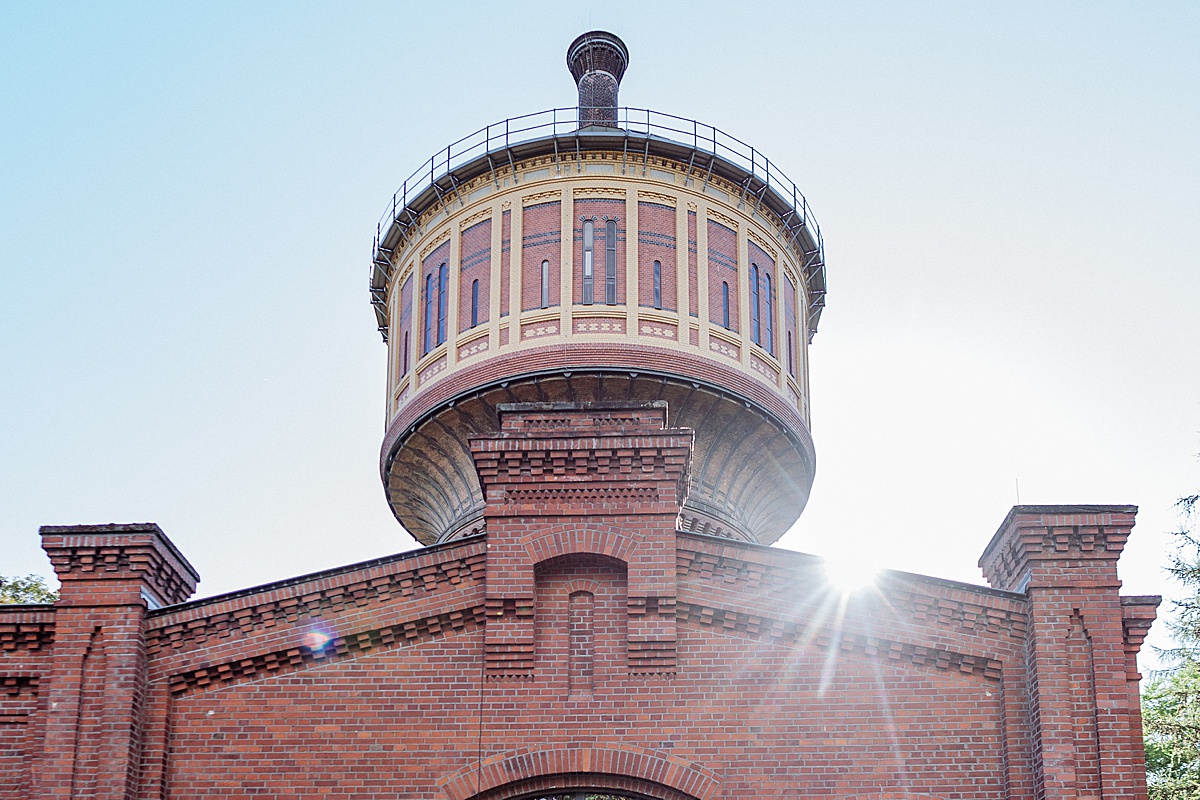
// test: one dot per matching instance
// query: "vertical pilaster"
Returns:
(1064, 558)
(110, 575)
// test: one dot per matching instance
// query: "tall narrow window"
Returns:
(754, 334)
(589, 239)
(545, 284)
(725, 304)
(443, 285)
(474, 302)
(610, 263)
(657, 284)
(404, 356)
(427, 345)
(791, 357)
(769, 309)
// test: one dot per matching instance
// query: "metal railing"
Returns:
(500, 136)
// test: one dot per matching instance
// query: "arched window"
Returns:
(769, 308)
(725, 304)
(545, 284)
(443, 285)
(657, 284)
(610, 263)
(589, 239)
(474, 302)
(754, 334)
(427, 344)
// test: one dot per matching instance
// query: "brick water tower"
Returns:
(601, 255)
(598, 321)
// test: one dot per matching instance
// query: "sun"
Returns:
(850, 573)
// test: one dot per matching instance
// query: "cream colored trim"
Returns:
(434, 243)
(761, 241)
(658, 197)
(728, 222)
(495, 288)
(475, 218)
(614, 192)
(537, 198)
(566, 254)
(632, 253)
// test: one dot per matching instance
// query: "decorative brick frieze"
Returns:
(23, 629)
(246, 616)
(796, 634)
(138, 554)
(564, 479)
(1035, 543)
(1137, 615)
(14, 687)
(303, 655)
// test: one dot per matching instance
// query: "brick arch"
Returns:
(556, 541)
(625, 769)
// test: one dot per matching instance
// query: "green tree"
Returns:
(30, 589)
(1171, 700)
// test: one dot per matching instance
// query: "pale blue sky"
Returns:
(188, 193)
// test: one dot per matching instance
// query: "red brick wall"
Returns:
(475, 259)
(722, 268)
(656, 242)
(369, 680)
(766, 268)
(505, 260)
(791, 325)
(693, 287)
(404, 331)
(541, 238)
(599, 210)
(430, 267)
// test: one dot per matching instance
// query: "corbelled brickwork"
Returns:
(595, 612)
(584, 642)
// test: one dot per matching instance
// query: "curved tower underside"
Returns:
(607, 263)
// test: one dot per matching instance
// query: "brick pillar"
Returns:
(564, 478)
(111, 575)
(1085, 724)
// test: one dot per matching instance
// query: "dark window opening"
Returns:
(474, 302)
(754, 319)
(443, 285)
(589, 238)
(610, 263)
(725, 304)
(428, 321)
(657, 284)
(770, 312)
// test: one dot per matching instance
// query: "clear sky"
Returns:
(188, 194)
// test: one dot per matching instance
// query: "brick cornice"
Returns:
(137, 551)
(1058, 546)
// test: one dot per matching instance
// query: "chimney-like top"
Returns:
(597, 60)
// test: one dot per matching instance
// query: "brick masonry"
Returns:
(583, 642)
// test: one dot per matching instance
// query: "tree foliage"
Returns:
(1171, 700)
(30, 589)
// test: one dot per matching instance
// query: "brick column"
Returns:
(1085, 731)
(564, 478)
(110, 575)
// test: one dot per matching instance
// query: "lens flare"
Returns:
(316, 640)
(850, 574)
